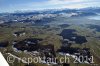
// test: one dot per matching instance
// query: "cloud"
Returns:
(72, 3)
(51, 4)
(59, 4)
(46, 4)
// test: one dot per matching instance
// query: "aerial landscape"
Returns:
(50, 35)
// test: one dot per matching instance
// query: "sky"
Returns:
(21, 5)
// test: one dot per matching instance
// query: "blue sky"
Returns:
(14, 5)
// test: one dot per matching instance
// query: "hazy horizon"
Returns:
(24, 5)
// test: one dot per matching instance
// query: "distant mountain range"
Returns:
(56, 11)
(79, 12)
(30, 16)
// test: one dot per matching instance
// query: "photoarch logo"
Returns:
(3, 61)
